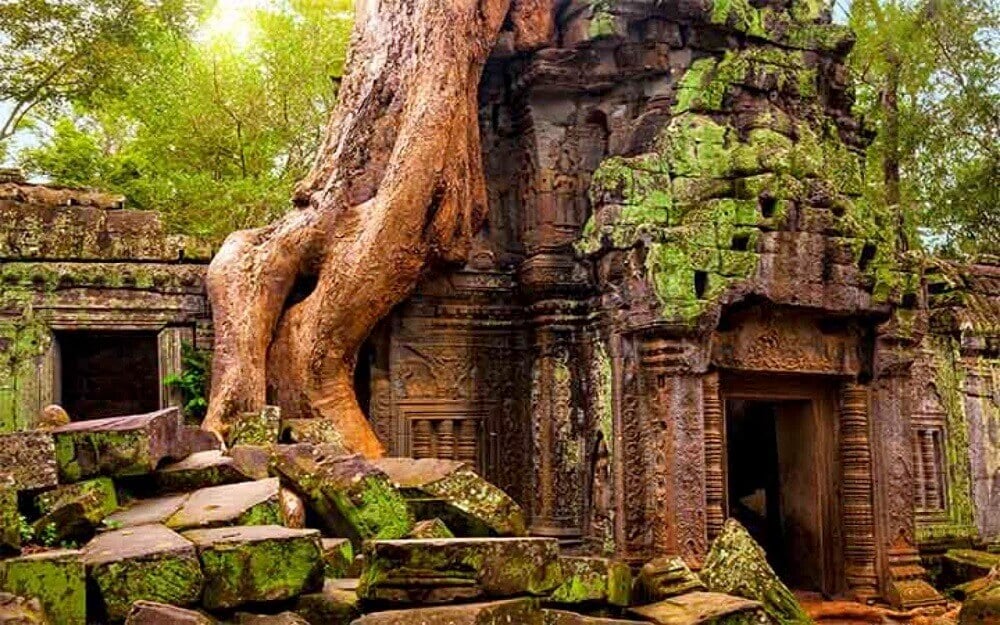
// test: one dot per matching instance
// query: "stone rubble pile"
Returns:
(133, 519)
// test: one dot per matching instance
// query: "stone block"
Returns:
(316, 431)
(152, 613)
(982, 608)
(248, 503)
(431, 528)
(456, 494)
(338, 557)
(56, 578)
(523, 611)
(593, 580)
(711, 608)
(196, 440)
(10, 516)
(964, 565)
(257, 563)
(147, 562)
(284, 618)
(147, 511)
(352, 497)
(562, 617)
(200, 470)
(256, 428)
(118, 446)
(442, 570)
(74, 511)
(334, 605)
(662, 578)
(252, 460)
(30, 459)
(15, 610)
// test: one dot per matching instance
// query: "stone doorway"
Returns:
(780, 474)
(108, 373)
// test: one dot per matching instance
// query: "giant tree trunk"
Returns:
(397, 184)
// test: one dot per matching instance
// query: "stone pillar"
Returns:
(856, 491)
(715, 484)
(170, 355)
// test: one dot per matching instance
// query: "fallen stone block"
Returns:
(982, 608)
(248, 503)
(352, 497)
(964, 565)
(662, 578)
(252, 460)
(712, 608)
(152, 613)
(454, 493)
(284, 618)
(196, 440)
(335, 604)
(74, 511)
(338, 557)
(29, 458)
(442, 570)
(118, 446)
(10, 517)
(593, 581)
(56, 578)
(562, 617)
(255, 428)
(147, 562)
(523, 611)
(315, 431)
(257, 563)
(737, 565)
(15, 610)
(147, 511)
(200, 470)
(431, 528)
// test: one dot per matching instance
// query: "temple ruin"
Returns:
(680, 310)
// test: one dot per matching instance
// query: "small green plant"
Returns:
(24, 528)
(112, 524)
(192, 381)
(48, 535)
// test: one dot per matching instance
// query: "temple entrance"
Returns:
(780, 468)
(108, 374)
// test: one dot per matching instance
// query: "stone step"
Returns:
(523, 611)
(74, 511)
(248, 503)
(695, 608)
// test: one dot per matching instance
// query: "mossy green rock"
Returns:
(712, 608)
(257, 563)
(441, 570)
(524, 611)
(10, 517)
(147, 562)
(75, 510)
(982, 608)
(200, 470)
(247, 503)
(256, 428)
(336, 604)
(352, 497)
(593, 580)
(736, 565)
(338, 557)
(431, 528)
(965, 565)
(316, 431)
(56, 578)
(455, 493)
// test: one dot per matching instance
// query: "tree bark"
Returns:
(397, 185)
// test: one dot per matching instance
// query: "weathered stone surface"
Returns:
(247, 503)
(293, 509)
(737, 565)
(704, 607)
(965, 565)
(252, 460)
(336, 604)
(257, 563)
(982, 608)
(152, 613)
(75, 510)
(118, 446)
(562, 617)
(52, 416)
(524, 611)
(10, 517)
(196, 440)
(284, 618)
(316, 431)
(56, 578)
(353, 498)
(338, 557)
(15, 610)
(662, 578)
(431, 528)
(30, 459)
(147, 511)
(441, 570)
(453, 492)
(150, 562)
(200, 470)
(256, 428)
(593, 580)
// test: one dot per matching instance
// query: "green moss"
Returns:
(57, 579)
(380, 510)
(22, 342)
(593, 580)
(264, 513)
(173, 579)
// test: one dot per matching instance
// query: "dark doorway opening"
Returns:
(773, 470)
(109, 374)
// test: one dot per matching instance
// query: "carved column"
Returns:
(856, 489)
(715, 486)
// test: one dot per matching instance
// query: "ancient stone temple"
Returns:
(96, 303)
(682, 309)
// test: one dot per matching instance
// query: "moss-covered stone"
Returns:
(334, 605)
(146, 511)
(338, 557)
(666, 577)
(247, 503)
(431, 528)
(148, 562)
(255, 564)
(440, 570)
(56, 578)
(200, 470)
(316, 431)
(736, 565)
(563, 617)
(10, 516)
(256, 428)
(152, 613)
(74, 511)
(982, 608)
(593, 580)
(966, 565)
(523, 611)
(17, 610)
(710, 608)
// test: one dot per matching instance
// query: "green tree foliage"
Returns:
(215, 133)
(928, 81)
